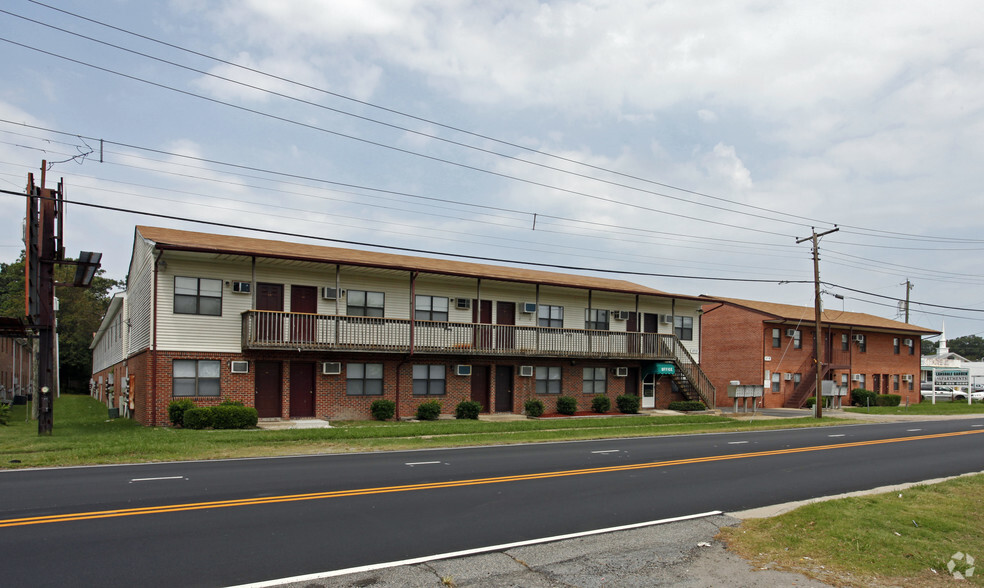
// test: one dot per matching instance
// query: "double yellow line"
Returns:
(128, 512)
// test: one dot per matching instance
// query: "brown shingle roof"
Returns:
(805, 314)
(224, 244)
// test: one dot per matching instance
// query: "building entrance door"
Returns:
(303, 299)
(649, 391)
(267, 398)
(269, 325)
(503, 388)
(301, 389)
(480, 385)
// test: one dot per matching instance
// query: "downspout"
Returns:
(153, 346)
(536, 318)
(413, 298)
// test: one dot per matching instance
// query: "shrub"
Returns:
(862, 397)
(233, 416)
(601, 404)
(429, 411)
(687, 405)
(4, 413)
(231, 402)
(534, 407)
(627, 404)
(176, 410)
(468, 409)
(566, 405)
(382, 409)
(888, 400)
(810, 402)
(197, 418)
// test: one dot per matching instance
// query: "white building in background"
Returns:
(939, 368)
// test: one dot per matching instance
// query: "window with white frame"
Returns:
(595, 319)
(595, 380)
(776, 382)
(363, 303)
(430, 308)
(797, 339)
(364, 379)
(843, 379)
(797, 378)
(896, 347)
(683, 327)
(911, 343)
(196, 377)
(550, 316)
(548, 379)
(845, 342)
(197, 296)
(428, 380)
(776, 338)
(895, 382)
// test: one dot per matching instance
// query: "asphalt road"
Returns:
(232, 522)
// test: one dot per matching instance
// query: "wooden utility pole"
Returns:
(817, 335)
(908, 288)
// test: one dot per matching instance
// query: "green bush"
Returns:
(382, 409)
(862, 397)
(468, 409)
(888, 400)
(810, 402)
(197, 418)
(233, 416)
(601, 403)
(687, 405)
(627, 404)
(429, 411)
(4, 413)
(231, 402)
(566, 405)
(176, 410)
(534, 407)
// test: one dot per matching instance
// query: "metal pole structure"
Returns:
(817, 335)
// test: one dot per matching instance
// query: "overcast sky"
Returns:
(692, 139)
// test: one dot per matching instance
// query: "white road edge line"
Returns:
(607, 451)
(837, 435)
(737, 442)
(466, 552)
(912, 430)
(413, 463)
(155, 479)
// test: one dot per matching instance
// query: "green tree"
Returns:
(969, 346)
(928, 347)
(79, 314)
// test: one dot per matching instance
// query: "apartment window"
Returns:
(428, 380)
(912, 346)
(595, 319)
(862, 344)
(860, 381)
(197, 296)
(548, 379)
(845, 342)
(895, 346)
(362, 303)
(683, 327)
(430, 308)
(895, 382)
(776, 338)
(550, 316)
(595, 380)
(797, 378)
(776, 382)
(195, 377)
(797, 339)
(364, 379)
(843, 379)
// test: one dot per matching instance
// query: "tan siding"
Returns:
(140, 295)
(188, 332)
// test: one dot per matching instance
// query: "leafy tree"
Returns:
(928, 347)
(969, 346)
(80, 312)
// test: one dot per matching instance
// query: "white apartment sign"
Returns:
(951, 377)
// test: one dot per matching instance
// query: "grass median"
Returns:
(924, 408)
(82, 435)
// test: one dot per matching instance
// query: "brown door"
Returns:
(267, 399)
(505, 314)
(650, 324)
(269, 325)
(632, 382)
(301, 389)
(503, 388)
(632, 328)
(482, 313)
(303, 299)
(480, 386)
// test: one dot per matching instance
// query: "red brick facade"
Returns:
(738, 344)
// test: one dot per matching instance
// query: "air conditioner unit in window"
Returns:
(666, 319)
(787, 376)
(462, 303)
(790, 332)
(239, 367)
(858, 338)
(621, 372)
(526, 371)
(906, 377)
(241, 287)
(621, 315)
(856, 378)
(907, 342)
(529, 307)
(462, 370)
(329, 293)
(331, 368)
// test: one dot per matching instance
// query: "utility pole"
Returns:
(908, 288)
(817, 335)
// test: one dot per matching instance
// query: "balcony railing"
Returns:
(284, 330)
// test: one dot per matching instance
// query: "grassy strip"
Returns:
(896, 539)
(82, 435)
(943, 408)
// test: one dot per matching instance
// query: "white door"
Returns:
(649, 391)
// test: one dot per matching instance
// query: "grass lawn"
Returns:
(82, 435)
(924, 408)
(894, 539)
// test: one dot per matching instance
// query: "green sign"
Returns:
(665, 368)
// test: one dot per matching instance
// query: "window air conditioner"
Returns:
(787, 376)
(239, 367)
(907, 342)
(666, 319)
(329, 293)
(858, 338)
(621, 372)
(790, 332)
(526, 371)
(462, 370)
(241, 287)
(906, 377)
(856, 378)
(331, 368)
(529, 307)
(621, 315)
(462, 303)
